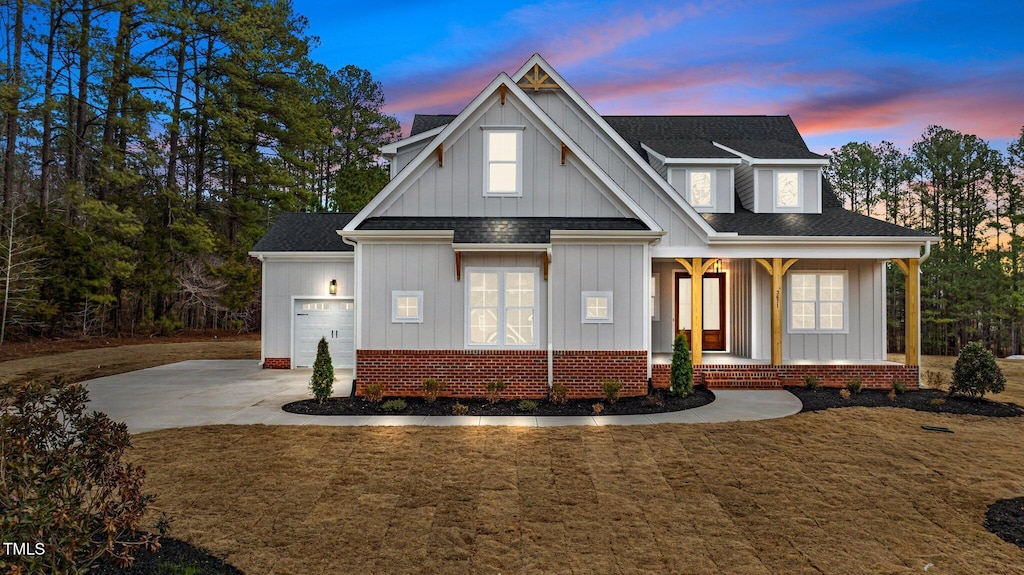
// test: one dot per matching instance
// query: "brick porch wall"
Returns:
(277, 363)
(872, 376)
(467, 372)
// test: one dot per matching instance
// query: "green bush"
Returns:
(431, 389)
(65, 482)
(812, 381)
(322, 382)
(854, 385)
(976, 372)
(394, 405)
(459, 408)
(611, 389)
(899, 386)
(526, 406)
(559, 393)
(374, 392)
(682, 367)
(494, 389)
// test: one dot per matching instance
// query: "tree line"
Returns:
(147, 144)
(958, 187)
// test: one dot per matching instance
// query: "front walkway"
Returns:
(238, 392)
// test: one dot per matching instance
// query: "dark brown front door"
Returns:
(714, 309)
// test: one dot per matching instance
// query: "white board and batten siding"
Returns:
(548, 188)
(290, 280)
(722, 187)
(635, 181)
(860, 342)
(764, 189)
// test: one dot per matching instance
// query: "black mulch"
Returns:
(664, 402)
(1005, 518)
(826, 398)
(171, 552)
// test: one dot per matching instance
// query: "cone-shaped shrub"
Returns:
(682, 367)
(322, 383)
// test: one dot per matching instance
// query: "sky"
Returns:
(864, 70)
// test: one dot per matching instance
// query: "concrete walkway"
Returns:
(214, 392)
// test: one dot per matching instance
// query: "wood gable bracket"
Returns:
(501, 90)
(565, 150)
(547, 264)
(458, 266)
(537, 80)
(440, 155)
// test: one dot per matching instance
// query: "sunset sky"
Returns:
(864, 70)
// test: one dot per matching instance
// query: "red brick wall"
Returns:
(872, 376)
(467, 372)
(277, 363)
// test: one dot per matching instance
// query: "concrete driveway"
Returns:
(205, 392)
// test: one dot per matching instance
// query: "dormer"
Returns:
(776, 177)
(702, 173)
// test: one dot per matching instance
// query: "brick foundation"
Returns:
(759, 376)
(467, 372)
(277, 363)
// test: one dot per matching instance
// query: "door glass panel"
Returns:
(712, 303)
(683, 303)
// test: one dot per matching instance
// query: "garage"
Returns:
(333, 319)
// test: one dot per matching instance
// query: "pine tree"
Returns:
(682, 367)
(322, 382)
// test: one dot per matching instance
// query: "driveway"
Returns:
(205, 392)
(214, 392)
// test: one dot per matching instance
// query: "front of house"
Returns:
(530, 240)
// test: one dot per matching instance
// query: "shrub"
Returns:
(559, 393)
(844, 393)
(374, 392)
(812, 381)
(654, 400)
(976, 372)
(611, 389)
(937, 403)
(431, 389)
(892, 394)
(65, 481)
(494, 389)
(459, 409)
(899, 386)
(854, 385)
(394, 405)
(322, 382)
(526, 406)
(597, 408)
(682, 367)
(935, 380)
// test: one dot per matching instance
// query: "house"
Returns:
(531, 240)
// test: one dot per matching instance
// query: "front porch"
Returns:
(725, 371)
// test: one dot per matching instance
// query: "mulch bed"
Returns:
(663, 402)
(921, 400)
(1005, 518)
(172, 552)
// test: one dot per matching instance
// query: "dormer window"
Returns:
(700, 188)
(788, 190)
(503, 166)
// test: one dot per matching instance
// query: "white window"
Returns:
(406, 307)
(788, 190)
(597, 306)
(503, 167)
(502, 307)
(699, 184)
(655, 304)
(817, 301)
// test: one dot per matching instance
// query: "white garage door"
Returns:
(331, 319)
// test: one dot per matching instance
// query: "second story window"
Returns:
(787, 190)
(503, 171)
(700, 189)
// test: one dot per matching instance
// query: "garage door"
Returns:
(331, 319)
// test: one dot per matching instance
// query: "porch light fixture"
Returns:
(718, 266)
(334, 287)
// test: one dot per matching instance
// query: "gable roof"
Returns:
(304, 232)
(483, 230)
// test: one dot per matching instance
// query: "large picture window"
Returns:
(503, 173)
(502, 307)
(817, 301)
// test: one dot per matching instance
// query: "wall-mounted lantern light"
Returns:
(334, 287)
(718, 266)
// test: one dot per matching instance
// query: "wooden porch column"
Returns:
(697, 267)
(776, 269)
(911, 268)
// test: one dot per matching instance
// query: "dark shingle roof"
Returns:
(771, 149)
(502, 230)
(427, 122)
(301, 232)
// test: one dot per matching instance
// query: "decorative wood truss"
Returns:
(537, 80)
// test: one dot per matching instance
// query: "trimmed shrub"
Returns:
(431, 389)
(374, 392)
(459, 408)
(854, 385)
(65, 482)
(812, 381)
(494, 389)
(321, 384)
(394, 405)
(559, 393)
(844, 393)
(682, 367)
(526, 406)
(611, 389)
(899, 386)
(976, 372)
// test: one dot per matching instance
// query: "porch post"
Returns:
(776, 269)
(913, 313)
(697, 311)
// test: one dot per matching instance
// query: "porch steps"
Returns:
(742, 379)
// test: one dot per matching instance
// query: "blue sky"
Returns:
(867, 70)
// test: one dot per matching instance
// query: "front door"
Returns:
(714, 308)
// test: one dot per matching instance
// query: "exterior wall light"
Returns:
(334, 287)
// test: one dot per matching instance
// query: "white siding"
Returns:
(724, 196)
(284, 279)
(406, 154)
(745, 185)
(766, 189)
(866, 326)
(682, 231)
(549, 188)
(618, 268)
(738, 278)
